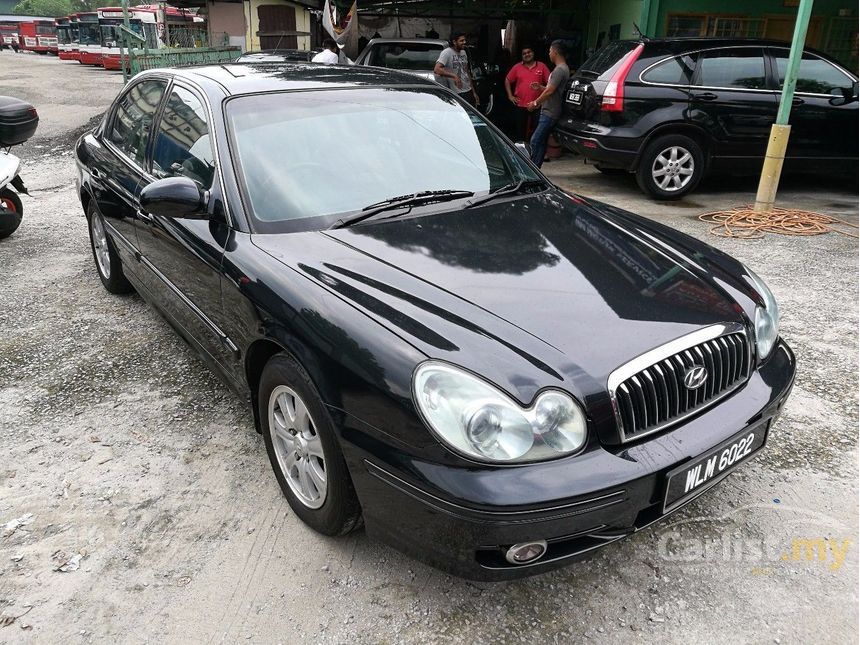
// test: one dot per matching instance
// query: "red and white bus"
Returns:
(38, 36)
(9, 35)
(155, 25)
(67, 38)
(89, 39)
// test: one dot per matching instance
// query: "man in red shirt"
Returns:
(524, 84)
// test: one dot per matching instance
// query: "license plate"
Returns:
(695, 477)
(575, 97)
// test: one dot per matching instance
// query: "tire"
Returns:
(285, 388)
(14, 211)
(682, 161)
(108, 264)
(611, 171)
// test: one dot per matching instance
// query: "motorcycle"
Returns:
(18, 122)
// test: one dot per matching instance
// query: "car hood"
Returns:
(538, 291)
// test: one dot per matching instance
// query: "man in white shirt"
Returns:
(329, 54)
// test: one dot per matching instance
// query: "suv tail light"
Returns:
(613, 95)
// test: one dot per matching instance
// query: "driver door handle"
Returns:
(146, 217)
(707, 96)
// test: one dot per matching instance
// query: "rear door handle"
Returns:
(797, 101)
(707, 96)
(95, 172)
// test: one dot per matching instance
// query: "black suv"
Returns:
(671, 110)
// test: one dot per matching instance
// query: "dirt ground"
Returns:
(137, 502)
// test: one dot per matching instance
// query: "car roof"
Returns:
(427, 41)
(239, 78)
(688, 43)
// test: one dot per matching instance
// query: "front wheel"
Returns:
(670, 167)
(304, 450)
(11, 211)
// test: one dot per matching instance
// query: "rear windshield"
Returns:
(414, 56)
(605, 58)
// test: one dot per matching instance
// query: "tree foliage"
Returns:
(43, 8)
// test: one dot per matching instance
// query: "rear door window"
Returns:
(741, 68)
(132, 121)
(675, 71)
(815, 75)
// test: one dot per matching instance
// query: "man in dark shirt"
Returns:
(549, 102)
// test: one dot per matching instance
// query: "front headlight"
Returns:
(479, 421)
(766, 318)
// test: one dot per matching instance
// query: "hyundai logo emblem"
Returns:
(695, 377)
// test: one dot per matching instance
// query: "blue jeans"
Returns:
(540, 137)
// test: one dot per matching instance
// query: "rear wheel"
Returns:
(670, 167)
(108, 264)
(11, 211)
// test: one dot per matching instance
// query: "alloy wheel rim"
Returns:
(673, 169)
(297, 446)
(100, 246)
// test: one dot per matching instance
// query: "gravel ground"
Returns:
(137, 503)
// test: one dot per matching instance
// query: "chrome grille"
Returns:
(649, 394)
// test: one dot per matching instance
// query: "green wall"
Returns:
(655, 12)
(605, 13)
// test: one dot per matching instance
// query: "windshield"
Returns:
(89, 33)
(111, 34)
(306, 158)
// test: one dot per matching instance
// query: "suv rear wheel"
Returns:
(670, 167)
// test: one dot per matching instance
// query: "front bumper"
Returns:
(462, 520)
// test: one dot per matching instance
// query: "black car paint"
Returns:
(361, 307)
(732, 125)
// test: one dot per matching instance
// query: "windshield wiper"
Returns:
(415, 199)
(507, 189)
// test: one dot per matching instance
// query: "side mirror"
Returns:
(175, 197)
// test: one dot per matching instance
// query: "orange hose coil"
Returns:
(745, 223)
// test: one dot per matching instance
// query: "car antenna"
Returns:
(639, 33)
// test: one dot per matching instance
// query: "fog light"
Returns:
(526, 552)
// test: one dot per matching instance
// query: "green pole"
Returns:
(776, 146)
(124, 39)
(803, 14)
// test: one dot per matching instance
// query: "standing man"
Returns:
(330, 53)
(524, 84)
(549, 102)
(452, 70)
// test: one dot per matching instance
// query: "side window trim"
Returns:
(156, 122)
(106, 136)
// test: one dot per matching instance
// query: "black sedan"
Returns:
(495, 376)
